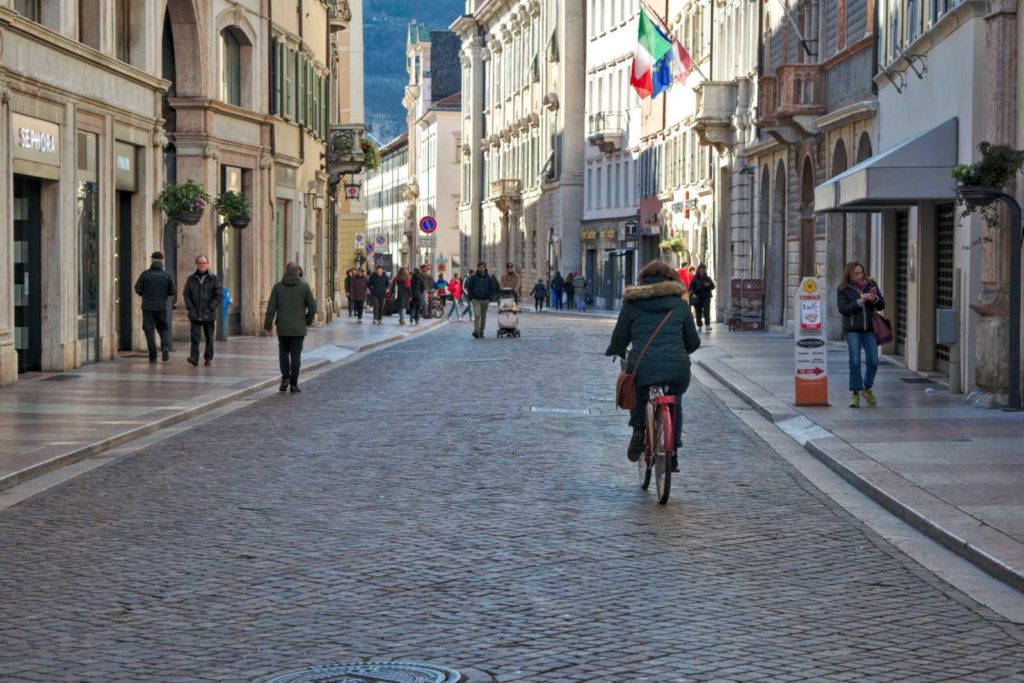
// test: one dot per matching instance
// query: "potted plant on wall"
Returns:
(234, 208)
(184, 203)
(677, 247)
(979, 184)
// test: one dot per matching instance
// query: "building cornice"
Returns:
(850, 114)
(763, 147)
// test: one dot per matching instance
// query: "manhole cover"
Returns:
(376, 672)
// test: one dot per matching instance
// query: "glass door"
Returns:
(123, 272)
(902, 268)
(945, 220)
(27, 303)
(88, 248)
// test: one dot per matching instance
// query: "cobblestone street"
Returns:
(425, 504)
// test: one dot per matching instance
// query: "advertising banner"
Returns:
(810, 343)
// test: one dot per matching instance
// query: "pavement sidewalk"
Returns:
(49, 420)
(953, 471)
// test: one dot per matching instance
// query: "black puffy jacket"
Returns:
(644, 306)
(203, 292)
(857, 318)
(155, 286)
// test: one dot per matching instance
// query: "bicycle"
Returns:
(659, 443)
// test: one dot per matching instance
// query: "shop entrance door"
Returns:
(945, 219)
(902, 269)
(28, 311)
(123, 271)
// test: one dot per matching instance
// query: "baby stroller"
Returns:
(508, 313)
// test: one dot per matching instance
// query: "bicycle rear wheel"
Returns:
(662, 455)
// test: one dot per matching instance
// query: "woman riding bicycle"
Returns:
(667, 360)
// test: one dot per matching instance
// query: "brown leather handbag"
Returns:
(625, 386)
(882, 328)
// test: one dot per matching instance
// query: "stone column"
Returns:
(1000, 125)
(8, 355)
(475, 104)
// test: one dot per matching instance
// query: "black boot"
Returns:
(636, 445)
(675, 462)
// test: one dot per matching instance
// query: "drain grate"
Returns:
(61, 378)
(917, 380)
(376, 672)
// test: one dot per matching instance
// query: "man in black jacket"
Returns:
(155, 286)
(203, 299)
(378, 287)
(481, 288)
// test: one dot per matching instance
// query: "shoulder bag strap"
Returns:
(639, 358)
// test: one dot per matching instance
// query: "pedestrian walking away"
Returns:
(557, 285)
(418, 284)
(349, 274)
(701, 293)
(466, 301)
(482, 289)
(667, 360)
(203, 299)
(455, 291)
(378, 289)
(401, 290)
(156, 286)
(511, 280)
(859, 299)
(539, 294)
(570, 292)
(427, 288)
(579, 285)
(360, 287)
(293, 307)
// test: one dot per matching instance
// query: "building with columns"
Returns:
(523, 110)
(102, 105)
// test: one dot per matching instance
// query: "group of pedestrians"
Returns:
(566, 292)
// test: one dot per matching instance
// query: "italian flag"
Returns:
(651, 46)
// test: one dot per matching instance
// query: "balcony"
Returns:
(344, 150)
(607, 130)
(716, 104)
(505, 193)
(790, 101)
(339, 15)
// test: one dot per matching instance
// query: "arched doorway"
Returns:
(837, 245)
(807, 220)
(775, 283)
(764, 194)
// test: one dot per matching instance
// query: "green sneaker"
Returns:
(870, 397)
(855, 400)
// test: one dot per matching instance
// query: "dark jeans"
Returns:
(558, 300)
(290, 353)
(351, 305)
(206, 329)
(359, 308)
(702, 309)
(538, 303)
(416, 308)
(378, 308)
(638, 413)
(156, 320)
(855, 341)
(570, 300)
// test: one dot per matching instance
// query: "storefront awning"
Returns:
(916, 170)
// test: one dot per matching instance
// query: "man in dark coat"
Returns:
(156, 286)
(667, 360)
(481, 288)
(292, 303)
(418, 285)
(203, 299)
(557, 285)
(378, 288)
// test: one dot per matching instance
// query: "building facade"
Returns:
(610, 239)
(386, 201)
(523, 109)
(215, 92)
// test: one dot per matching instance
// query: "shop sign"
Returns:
(588, 235)
(125, 169)
(610, 234)
(36, 140)
(810, 344)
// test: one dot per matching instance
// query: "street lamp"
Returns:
(352, 189)
(983, 196)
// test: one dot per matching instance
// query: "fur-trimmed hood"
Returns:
(659, 289)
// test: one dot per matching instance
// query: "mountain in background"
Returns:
(385, 26)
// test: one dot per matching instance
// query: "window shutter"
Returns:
(300, 89)
(288, 73)
(275, 78)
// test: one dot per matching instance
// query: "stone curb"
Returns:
(65, 459)
(902, 498)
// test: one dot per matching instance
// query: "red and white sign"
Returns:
(428, 224)
(811, 344)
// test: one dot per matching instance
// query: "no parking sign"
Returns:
(428, 224)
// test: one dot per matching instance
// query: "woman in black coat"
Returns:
(702, 289)
(859, 298)
(668, 359)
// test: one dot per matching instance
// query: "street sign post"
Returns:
(811, 344)
(428, 224)
(380, 241)
(360, 240)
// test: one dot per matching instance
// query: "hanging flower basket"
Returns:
(240, 223)
(234, 208)
(978, 183)
(184, 203)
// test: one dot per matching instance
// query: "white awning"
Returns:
(916, 170)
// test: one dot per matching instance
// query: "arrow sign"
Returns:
(810, 371)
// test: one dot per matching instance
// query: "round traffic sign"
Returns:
(380, 240)
(428, 224)
(369, 249)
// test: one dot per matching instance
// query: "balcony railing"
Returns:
(790, 101)
(606, 130)
(716, 104)
(345, 150)
(505, 192)
(340, 15)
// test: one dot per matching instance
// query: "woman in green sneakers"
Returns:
(859, 299)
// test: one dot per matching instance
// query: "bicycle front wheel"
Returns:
(663, 455)
(644, 471)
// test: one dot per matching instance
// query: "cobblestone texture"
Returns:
(411, 507)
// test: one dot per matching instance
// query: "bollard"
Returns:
(222, 319)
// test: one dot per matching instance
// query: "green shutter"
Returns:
(276, 50)
(300, 88)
